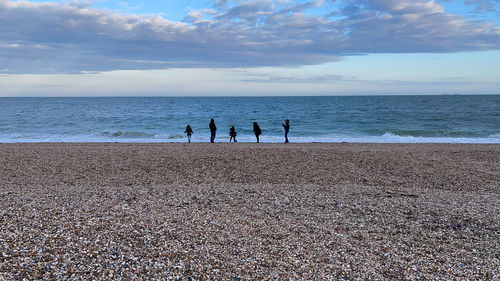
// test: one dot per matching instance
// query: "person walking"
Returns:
(232, 134)
(189, 132)
(257, 131)
(213, 130)
(286, 126)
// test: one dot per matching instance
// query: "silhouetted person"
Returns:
(232, 134)
(256, 130)
(189, 132)
(286, 126)
(213, 130)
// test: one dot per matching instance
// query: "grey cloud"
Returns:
(302, 6)
(405, 6)
(266, 78)
(350, 10)
(220, 3)
(391, 26)
(68, 38)
(248, 11)
(483, 5)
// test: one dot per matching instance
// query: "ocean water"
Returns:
(410, 119)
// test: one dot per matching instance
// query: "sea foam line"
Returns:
(178, 138)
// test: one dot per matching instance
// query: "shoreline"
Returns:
(184, 141)
(243, 143)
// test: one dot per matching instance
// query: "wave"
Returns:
(126, 134)
(434, 133)
(169, 136)
(140, 135)
(133, 136)
(394, 138)
(426, 133)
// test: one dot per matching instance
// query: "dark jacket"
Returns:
(286, 126)
(256, 129)
(212, 126)
(232, 132)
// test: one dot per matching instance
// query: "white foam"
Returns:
(386, 138)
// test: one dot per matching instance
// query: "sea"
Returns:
(374, 119)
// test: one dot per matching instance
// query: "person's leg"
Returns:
(286, 136)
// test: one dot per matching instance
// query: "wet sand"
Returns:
(250, 211)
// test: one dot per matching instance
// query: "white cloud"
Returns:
(72, 38)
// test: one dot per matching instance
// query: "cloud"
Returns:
(406, 7)
(481, 6)
(273, 78)
(74, 37)
(248, 11)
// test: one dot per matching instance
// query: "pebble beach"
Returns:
(246, 211)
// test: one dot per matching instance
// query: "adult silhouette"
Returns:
(286, 126)
(213, 130)
(257, 131)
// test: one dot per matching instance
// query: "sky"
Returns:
(242, 47)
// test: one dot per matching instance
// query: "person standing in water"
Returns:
(257, 131)
(213, 130)
(189, 132)
(232, 134)
(286, 126)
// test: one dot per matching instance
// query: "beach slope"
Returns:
(249, 211)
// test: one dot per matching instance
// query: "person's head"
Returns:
(254, 124)
(188, 126)
(287, 121)
(212, 121)
(232, 127)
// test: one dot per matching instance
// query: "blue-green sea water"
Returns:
(448, 119)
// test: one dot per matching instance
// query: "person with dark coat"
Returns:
(232, 134)
(213, 130)
(189, 132)
(286, 126)
(257, 131)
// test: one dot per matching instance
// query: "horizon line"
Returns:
(246, 96)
